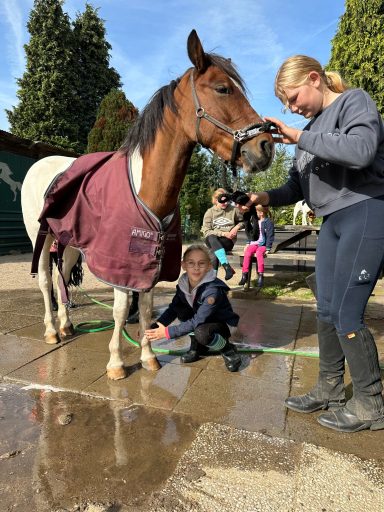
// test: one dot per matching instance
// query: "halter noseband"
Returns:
(239, 136)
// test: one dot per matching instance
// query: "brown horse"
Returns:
(207, 105)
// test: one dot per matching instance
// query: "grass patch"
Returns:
(286, 284)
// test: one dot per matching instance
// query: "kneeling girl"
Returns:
(202, 306)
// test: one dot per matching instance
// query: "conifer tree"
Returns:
(95, 78)
(46, 94)
(358, 47)
(114, 118)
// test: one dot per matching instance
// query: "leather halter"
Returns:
(239, 136)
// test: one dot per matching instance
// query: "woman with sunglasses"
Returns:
(221, 224)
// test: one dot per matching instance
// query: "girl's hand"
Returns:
(156, 334)
(285, 134)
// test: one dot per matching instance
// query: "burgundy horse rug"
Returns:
(93, 207)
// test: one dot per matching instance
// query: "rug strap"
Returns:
(39, 244)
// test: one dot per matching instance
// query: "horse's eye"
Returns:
(222, 89)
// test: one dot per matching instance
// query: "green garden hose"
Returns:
(103, 325)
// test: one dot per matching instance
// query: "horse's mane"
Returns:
(142, 133)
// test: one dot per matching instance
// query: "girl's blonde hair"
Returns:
(261, 208)
(218, 193)
(198, 247)
(295, 70)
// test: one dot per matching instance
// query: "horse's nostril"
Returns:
(266, 147)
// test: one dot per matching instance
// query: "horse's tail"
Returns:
(77, 273)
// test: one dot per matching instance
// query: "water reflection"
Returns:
(106, 453)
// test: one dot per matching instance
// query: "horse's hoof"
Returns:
(67, 331)
(52, 339)
(151, 365)
(116, 373)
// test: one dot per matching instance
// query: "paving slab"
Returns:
(242, 402)
(162, 390)
(68, 367)
(17, 352)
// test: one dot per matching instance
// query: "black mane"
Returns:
(143, 132)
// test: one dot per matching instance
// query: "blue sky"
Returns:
(148, 39)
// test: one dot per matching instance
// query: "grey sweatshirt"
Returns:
(339, 159)
(217, 221)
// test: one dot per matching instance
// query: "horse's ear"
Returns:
(196, 52)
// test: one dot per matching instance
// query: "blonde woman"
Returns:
(339, 170)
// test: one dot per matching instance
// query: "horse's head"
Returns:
(220, 116)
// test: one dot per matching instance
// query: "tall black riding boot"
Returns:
(365, 410)
(133, 313)
(260, 280)
(361, 354)
(329, 391)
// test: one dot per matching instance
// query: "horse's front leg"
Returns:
(148, 358)
(45, 284)
(115, 366)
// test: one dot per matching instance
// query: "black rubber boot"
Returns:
(329, 391)
(260, 280)
(133, 313)
(193, 353)
(244, 279)
(229, 271)
(231, 358)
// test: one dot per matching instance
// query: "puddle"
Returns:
(60, 450)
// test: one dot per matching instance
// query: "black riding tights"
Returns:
(349, 259)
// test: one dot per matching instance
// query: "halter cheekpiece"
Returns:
(239, 136)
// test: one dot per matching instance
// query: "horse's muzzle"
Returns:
(257, 154)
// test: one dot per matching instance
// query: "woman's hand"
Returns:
(233, 232)
(285, 134)
(156, 334)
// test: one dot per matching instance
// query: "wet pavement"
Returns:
(188, 437)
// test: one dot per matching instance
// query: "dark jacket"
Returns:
(210, 304)
(268, 231)
(252, 230)
(251, 224)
